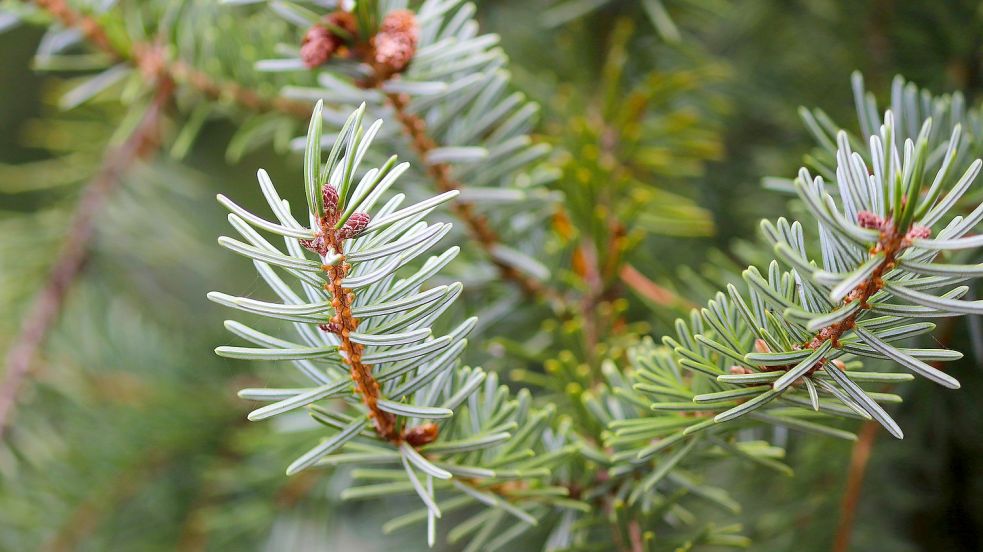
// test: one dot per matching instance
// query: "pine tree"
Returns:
(460, 323)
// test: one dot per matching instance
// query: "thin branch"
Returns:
(151, 59)
(478, 225)
(859, 458)
(650, 290)
(43, 314)
(891, 243)
(342, 324)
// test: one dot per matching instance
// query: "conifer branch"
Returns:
(478, 226)
(859, 457)
(43, 314)
(893, 240)
(150, 59)
(343, 323)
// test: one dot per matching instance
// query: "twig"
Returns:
(650, 290)
(860, 457)
(43, 314)
(150, 58)
(855, 479)
(342, 324)
(478, 225)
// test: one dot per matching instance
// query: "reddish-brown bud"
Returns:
(330, 327)
(316, 245)
(918, 232)
(396, 42)
(866, 219)
(421, 434)
(317, 47)
(329, 194)
(355, 225)
(760, 346)
(343, 20)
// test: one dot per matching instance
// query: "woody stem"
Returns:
(891, 244)
(478, 225)
(150, 58)
(342, 324)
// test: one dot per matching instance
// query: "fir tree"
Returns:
(472, 320)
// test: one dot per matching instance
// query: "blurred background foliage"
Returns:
(665, 116)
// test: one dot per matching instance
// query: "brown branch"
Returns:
(891, 243)
(652, 291)
(478, 225)
(342, 324)
(43, 314)
(150, 58)
(855, 479)
(859, 458)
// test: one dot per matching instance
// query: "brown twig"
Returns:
(478, 225)
(43, 314)
(652, 291)
(342, 324)
(891, 243)
(859, 458)
(150, 58)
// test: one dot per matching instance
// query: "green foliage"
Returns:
(557, 211)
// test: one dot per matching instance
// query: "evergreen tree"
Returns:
(505, 290)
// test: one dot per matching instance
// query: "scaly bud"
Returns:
(395, 44)
(866, 219)
(917, 232)
(421, 434)
(317, 47)
(343, 20)
(329, 194)
(316, 245)
(355, 225)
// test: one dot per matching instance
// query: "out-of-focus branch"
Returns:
(650, 290)
(478, 225)
(859, 459)
(43, 314)
(150, 58)
(855, 480)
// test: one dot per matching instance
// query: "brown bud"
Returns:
(343, 20)
(316, 245)
(918, 231)
(317, 47)
(329, 194)
(355, 225)
(330, 327)
(866, 219)
(760, 346)
(395, 44)
(421, 434)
